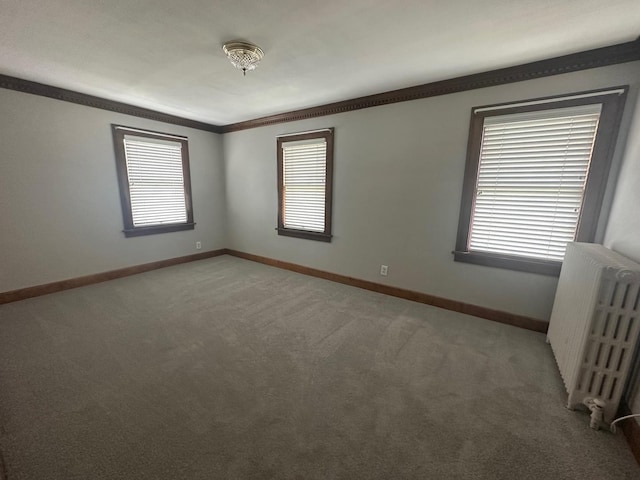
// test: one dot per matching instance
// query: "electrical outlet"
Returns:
(198, 245)
(384, 269)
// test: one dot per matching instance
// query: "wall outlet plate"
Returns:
(198, 245)
(384, 269)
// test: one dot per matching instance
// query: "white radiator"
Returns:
(595, 324)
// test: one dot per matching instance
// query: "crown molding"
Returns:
(27, 86)
(599, 57)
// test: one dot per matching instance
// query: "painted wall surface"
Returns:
(397, 189)
(623, 230)
(60, 213)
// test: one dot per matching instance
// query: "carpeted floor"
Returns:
(226, 368)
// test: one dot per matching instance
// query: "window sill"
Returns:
(152, 230)
(543, 267)
(290, 232)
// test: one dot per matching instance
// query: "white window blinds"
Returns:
(156, 181)
(304, 184)
(531, 179)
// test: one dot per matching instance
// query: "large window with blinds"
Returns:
(535, 179)
(154, 179)
(305, 171)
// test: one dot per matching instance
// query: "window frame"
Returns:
(603, 149)
(324, 236)
(119, 132)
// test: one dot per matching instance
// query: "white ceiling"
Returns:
(166, 54)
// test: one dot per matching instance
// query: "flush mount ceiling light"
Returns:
(244, 56)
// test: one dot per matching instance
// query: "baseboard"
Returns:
(454, 305)
(36, 291)
(631, 430)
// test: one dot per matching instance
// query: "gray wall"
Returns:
(623, 230)
(397, 186)
(60, 214)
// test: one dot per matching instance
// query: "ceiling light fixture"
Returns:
(244, 56)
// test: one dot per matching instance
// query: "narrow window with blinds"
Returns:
(535, 179)
(305, 166)
(153, 174)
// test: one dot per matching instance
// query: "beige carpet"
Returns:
(225, 368)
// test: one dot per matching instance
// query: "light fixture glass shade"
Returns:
(244, 56)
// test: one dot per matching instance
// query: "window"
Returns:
(305, 171)
(535, 178)
(155, 186)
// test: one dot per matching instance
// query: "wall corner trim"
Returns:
(453, 305)
(47, 288)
